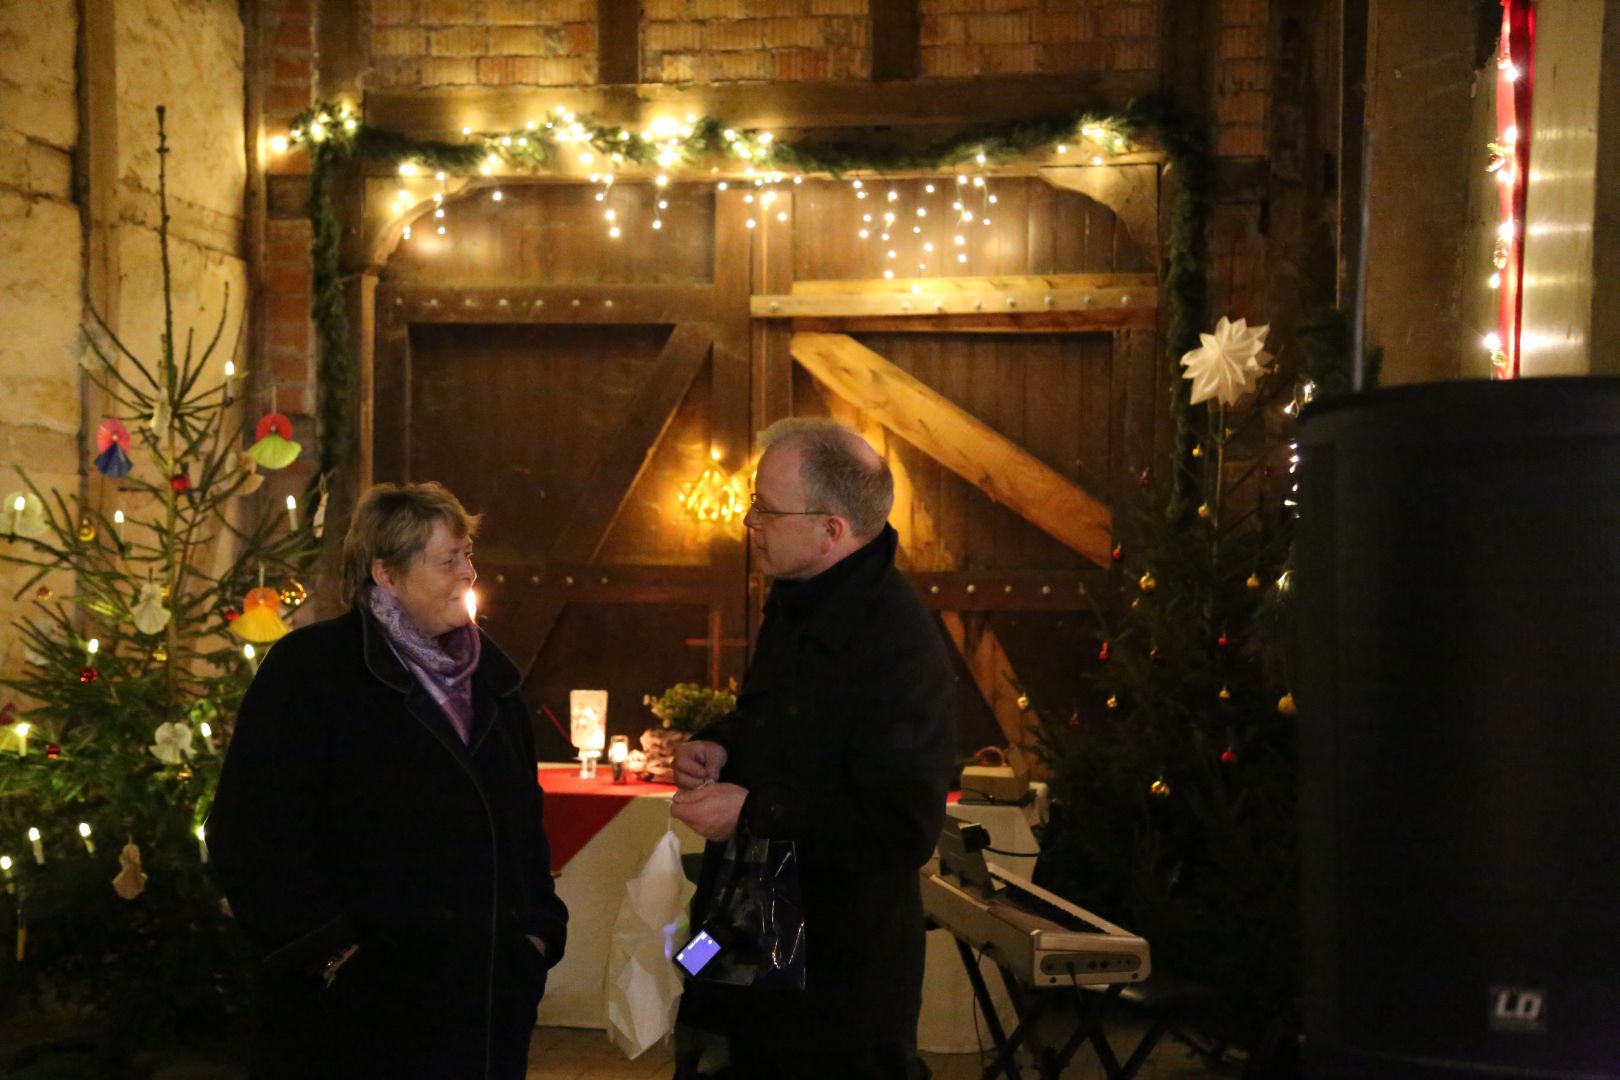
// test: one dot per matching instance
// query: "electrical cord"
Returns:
(1013, 854)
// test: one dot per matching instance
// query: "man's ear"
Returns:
(382, 575)
(837, 528)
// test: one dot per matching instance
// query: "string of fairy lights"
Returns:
(1507, 159)
(941, 219)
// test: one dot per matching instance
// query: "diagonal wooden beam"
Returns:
(620, 466)
(937, 426)
(972, 635)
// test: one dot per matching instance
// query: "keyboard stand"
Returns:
(1031, 1004)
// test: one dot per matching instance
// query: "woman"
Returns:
(377, 828)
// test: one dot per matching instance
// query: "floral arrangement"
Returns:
(686, 707)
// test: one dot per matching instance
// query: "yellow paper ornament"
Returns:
(260, 621)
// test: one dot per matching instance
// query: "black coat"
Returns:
(350, 813)
(843, 736)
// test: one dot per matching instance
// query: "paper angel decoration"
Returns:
(1229, 363)
(253, 479)
(275, 448)
(24, 515)
(131, 879)
(149, 613)
(173, 744)
(112, 449)
(162, 418)
(260, 621)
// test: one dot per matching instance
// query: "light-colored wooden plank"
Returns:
(925, 304)
(978, 284)
(1034, 322)
(962, 443)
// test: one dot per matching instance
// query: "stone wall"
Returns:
(186, 55)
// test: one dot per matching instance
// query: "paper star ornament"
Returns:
(1229, 363)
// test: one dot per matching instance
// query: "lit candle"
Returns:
(5, 866)
(17, 506)
(118, 526)
(92, 647)
(248, 654)
(471, 600)
(292, 512)
(207, 733)
(22, 738)
(84, 833)
(230, 381)
(39, 848)
(202, 843)
(618, 754)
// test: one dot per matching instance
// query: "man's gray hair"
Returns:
(838, 477)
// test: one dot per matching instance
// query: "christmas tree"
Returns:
(1173, 787)
(119, 720)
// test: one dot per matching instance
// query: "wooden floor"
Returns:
(581, 1054)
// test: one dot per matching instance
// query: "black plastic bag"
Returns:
(757, 916)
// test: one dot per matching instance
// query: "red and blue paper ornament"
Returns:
(112, 449)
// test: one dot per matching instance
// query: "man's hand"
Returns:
(698, 763)
(711, 811)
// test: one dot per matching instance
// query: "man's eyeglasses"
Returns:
(757, 507)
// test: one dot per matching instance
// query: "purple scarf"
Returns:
(443, 665)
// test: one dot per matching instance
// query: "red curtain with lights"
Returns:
(1510, 159)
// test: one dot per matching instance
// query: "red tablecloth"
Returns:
(577, 810)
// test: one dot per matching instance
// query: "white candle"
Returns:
(230, 381)
(202, 843)
(247, 651)
(17, 506)
(118, 525)
(39, 848)
(292, 512)
(84, 832)
(207, 734)
(92, 647)
(5, 865)
(22, 738)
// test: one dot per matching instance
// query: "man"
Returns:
(841, 742)
(378, 825)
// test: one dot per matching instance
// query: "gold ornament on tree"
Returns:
(293, 593)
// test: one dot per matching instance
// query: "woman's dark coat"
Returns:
(843, 735)
(350, 813)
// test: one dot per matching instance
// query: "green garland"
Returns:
(336, 135)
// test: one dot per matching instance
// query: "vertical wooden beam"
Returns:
(98, 139)
(366, 349)
(730, 397)
(896, 39)
(618, 41)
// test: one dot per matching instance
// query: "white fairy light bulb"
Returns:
(278, 143)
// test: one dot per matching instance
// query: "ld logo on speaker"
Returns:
(1516, 1008)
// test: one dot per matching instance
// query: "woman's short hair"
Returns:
(842, 474)
(393, 523)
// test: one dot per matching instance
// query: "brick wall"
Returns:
(994, 37)
(708, 41)
(428, 43)
(1243, 78)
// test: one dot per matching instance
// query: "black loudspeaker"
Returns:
(1458, 577)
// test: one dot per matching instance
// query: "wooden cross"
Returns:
(716, 645)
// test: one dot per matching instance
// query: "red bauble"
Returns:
(180, 481)
(231, 614)
(1102, 653)
(1145, 479)
(89, 675)
(1229, 756)
(1119, 552)
(52, 751)
(1222, 641)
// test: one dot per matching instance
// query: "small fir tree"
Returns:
(122, 713)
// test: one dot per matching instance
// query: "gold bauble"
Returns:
(1253, 582)
(1159, 789)
(43, 594)
(87, 530)
(293, 593)
(1113, 701)
(160, 654)
(1225, 694)
(184, 773)
(1204, 511)
(1146, 582)
(1023, 702)
(1198, 451)
(1286, 706)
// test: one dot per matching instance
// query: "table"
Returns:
(602, 834)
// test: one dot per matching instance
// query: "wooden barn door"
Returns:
(567, 384)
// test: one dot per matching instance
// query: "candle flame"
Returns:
(471, 600)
